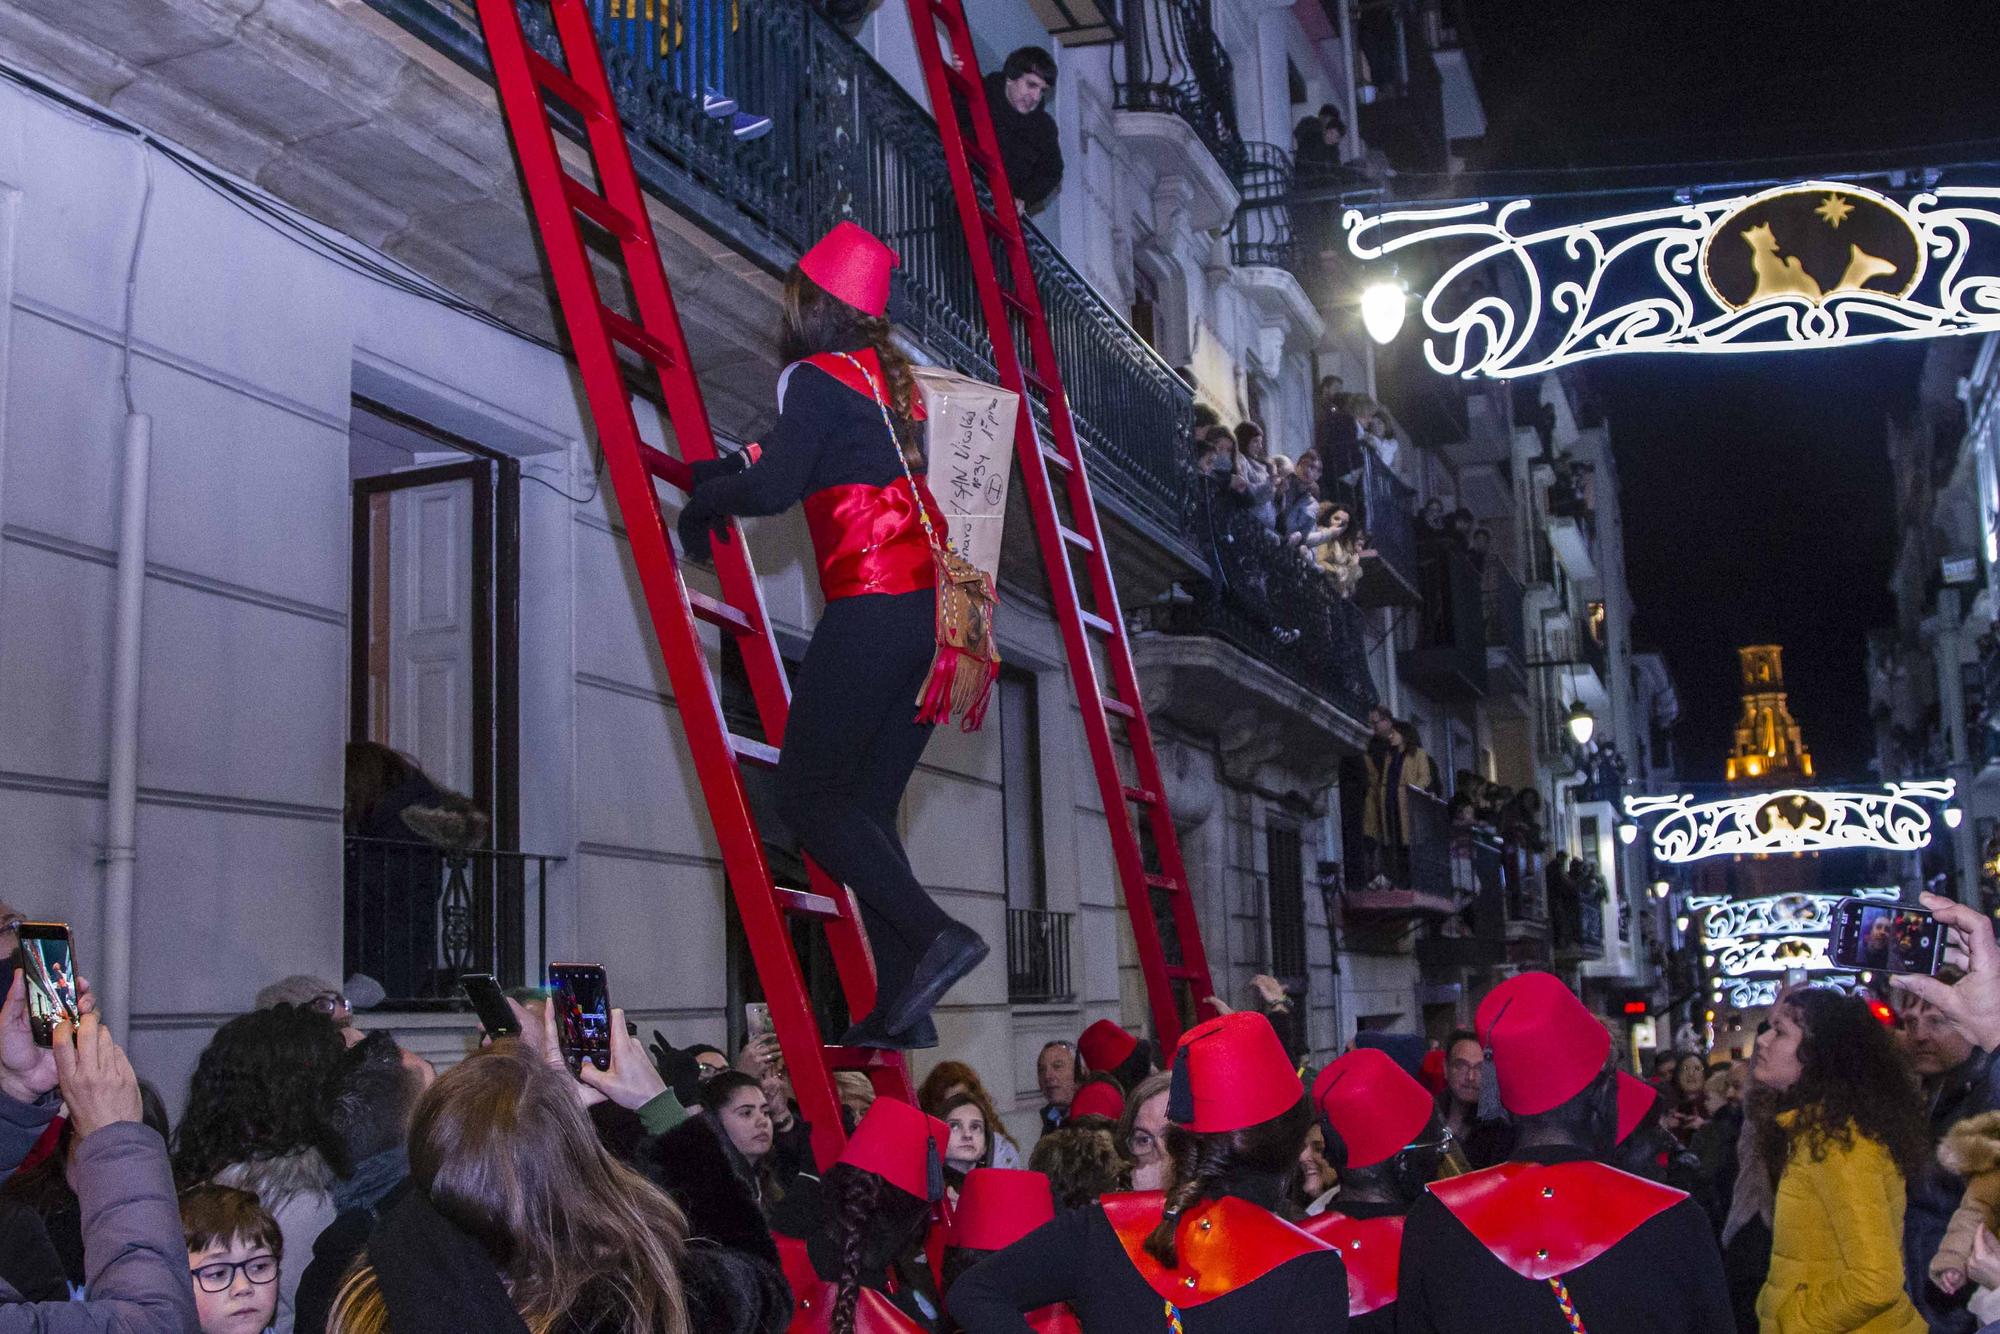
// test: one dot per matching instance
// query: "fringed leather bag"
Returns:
(960, 681)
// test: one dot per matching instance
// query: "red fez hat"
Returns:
(1105, 1046)
(1431, 1073)
(851, 264)
(1100, 1097)
(1635, 1097)
(997, 1206)
(901, 1145)
(1378, 1110)
(1546, 1047)
(1229, 1073)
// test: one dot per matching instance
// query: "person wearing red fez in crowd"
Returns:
(1553, 1241)
(853, 1276)
(1386, 1142)
(996, 1209)
(1108, 1049)
(1099, 1097)
(848, 443)
(1208, 1254)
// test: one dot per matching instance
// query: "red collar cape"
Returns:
(1543, 1220)
(1222, 1244)
(843, 370)
(812, 1311)
(1372, 1250)
(1057, 1319)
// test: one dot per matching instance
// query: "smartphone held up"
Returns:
(582, 1001)
(1874, 936)
(46, 958)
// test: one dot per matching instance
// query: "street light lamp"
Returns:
(1382, 308)
(1582, 723)
(1953, 816)
(1628, 833)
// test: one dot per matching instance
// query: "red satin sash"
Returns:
(1543, 1220)
(1372, 1250)
(1222, 1245)
(868, 539)
(1057, 1319)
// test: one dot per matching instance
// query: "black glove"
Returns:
(722, 465)
(698, 525)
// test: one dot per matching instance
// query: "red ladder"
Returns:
(528, 83)
(951, 77)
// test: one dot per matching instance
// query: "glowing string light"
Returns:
(1647, 281)
(1792, 820)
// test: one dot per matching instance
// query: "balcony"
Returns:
(1572, 525)
(1264, 599)
(1450, 654)
(417, 917)
(1038, 957)
(1387, 884)
(1506, 630)
(849, 142)
(1389, 572)
(1176, 66)
(1576, 915)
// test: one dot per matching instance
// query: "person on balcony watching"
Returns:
(1385, 811)
(1030, 148)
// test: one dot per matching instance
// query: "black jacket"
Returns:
(1029, 146)
(1935, 1193)
(1664, 1277)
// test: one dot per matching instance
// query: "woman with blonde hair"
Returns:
(948, 1079)
(518, 1220)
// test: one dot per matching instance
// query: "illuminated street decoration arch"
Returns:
(1754, 941)
(1816, 264)
(1750, 993)
(1791, 820)
(1773, 915)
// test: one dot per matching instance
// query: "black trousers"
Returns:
(851, 744)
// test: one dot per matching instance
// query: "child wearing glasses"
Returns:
(234, 1249)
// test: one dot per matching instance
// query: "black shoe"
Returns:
(870, 1033)
(955, 952)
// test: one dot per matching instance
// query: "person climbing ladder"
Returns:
(848, 443)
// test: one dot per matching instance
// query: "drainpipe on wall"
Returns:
(121, 805)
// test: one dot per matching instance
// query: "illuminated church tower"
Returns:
(1769, 751)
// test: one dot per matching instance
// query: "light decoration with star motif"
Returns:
(1791, 820)
(1818, 264)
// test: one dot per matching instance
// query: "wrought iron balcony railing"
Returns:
(1038, 955)
(1262, 234)
(1268, 600)
(1506, 625)
(1175, 63)
(417, 917)
(848, 142)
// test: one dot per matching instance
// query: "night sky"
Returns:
(1755, 489)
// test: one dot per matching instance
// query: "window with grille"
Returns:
(1286, 855)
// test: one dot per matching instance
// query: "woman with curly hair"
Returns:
(257, 1119)
(946, 1081)
(1842, 1135)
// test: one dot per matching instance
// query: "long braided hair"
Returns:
(1202, 1167)
(874, 1224)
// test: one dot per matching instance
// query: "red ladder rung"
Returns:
(1056, 459)
(665, 466)
(1118, 708)
(858, 1058)
(719, 613)
(1180, 972)
(1018, 304)
(551, 79)
(1166, 882)
(1077, 540)
(998, 225)
(598, 209)
(1097, 623)
(1143, 795)
(631, 335)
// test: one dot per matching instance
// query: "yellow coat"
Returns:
(1837, 1246)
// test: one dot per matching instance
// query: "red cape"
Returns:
(1372, 1250)
(1222, 1244)
(1543, 1220)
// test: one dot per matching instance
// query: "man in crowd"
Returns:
(1553, 1240)
(1954, 1078)
(1055, 1073)
(1483, 1140)
(1029, 145)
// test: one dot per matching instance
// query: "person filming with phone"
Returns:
(136, 1277)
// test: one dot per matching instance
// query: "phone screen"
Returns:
(49, 963)
(490, 1002)
(1885, 937)
(583, 1013)
(757, 1020)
